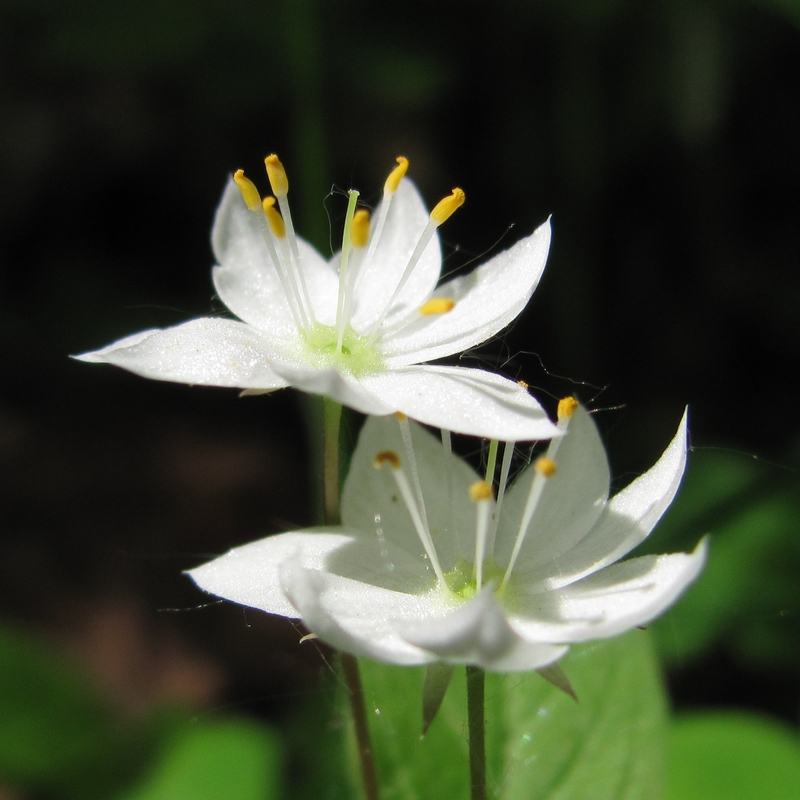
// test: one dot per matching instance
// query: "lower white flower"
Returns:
(427, 566)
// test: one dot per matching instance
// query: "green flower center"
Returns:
(461, 580)
(356, 356)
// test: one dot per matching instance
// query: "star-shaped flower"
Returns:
(428, 567)
(355, 328)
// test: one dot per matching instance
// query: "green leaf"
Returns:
(54, 729)
(539, 742)
(747, 593)
(214, 761)
(732, 756)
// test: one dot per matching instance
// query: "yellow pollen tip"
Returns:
(437, 305)
(546, 467)
(275, 220)
(277, 175)
(523, 385)
(396, 175)
(359, 228)
(400, 415)
(480, 490)
(447, 206)
(387, 457)
(567, 407)
(248, 189)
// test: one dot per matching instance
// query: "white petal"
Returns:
(330, 382)
(358, 617)
(371, 501)
(247, 281)
(99, 356)
(249, 575)
(626, 521)
(469, 401)
(610, 601)
(206, 352)
(486, 301)
(478, 633)
(378, 279)
(570, 504)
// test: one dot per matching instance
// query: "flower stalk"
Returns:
(331, 426)
(477, 732)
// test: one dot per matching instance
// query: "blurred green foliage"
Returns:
(747, 597)
(730, 756)
(59, 737)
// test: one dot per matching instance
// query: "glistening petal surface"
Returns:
(610, 601)
(206, 352)
(487, 300)
(468, 401)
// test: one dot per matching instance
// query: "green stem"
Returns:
(331, 424)
(477, 732)
(331, 420)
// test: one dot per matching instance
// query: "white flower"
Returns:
(355, 328)
(459, 578)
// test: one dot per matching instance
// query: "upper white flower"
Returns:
(426, 566)
(354, 328)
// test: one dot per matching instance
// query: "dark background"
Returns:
(662, 136)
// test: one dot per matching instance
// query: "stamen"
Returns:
(282, 260)
(448, 206)
(543, 468)
(491, 462)
(359, 236)
(359, 232)
(447, 450)
(280, 188)
(396, 175)
(408, 445)
(391, 458)
(276, 173)
(274, 219)
(443, 210)
(505, 468)
(481, 494)
(248, 189)
(437, 305)
(389, 188)
(271, 220)
(567, 406)
(352, 199)
(387, 457)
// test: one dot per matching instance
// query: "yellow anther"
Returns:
(480, 490)
(277, 175)
(248, 190)
(400, 415)
(437, 305)
(387, 457)
(567, 407)
(359, 228)
(396, 175)
(523, 385)
(447, 206)
(275, 220)
(546, 467)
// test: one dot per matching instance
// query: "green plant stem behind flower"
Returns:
(331, 422)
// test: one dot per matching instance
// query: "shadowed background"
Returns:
(661, 136)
